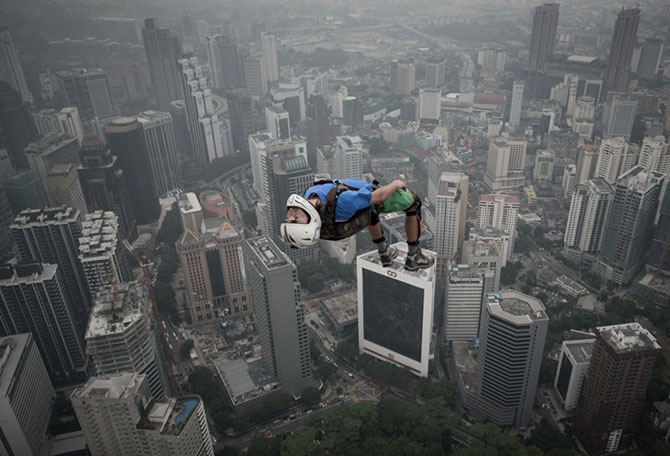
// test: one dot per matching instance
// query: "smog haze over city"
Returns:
(306, 227)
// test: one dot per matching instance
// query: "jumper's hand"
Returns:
(398, 184)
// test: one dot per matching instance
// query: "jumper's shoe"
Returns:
(388, 256)
(418, 261)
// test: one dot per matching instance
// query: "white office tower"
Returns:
(499, 211)
(291, 95)
(544, 165)
(447, 220)
(101, 254)
(512, 332)
(45, 121)
(337, 101)
(587, 159)
(486, 257)
(121, 335)
(280, 314)
(505, 164)
(569, 180)
(406, 75)
(255, 74)
(120, 417)
(263, 148)
(62, 187)
(589, 209)
(269, 44)
(654, 155)
(462, 303)
(10, 66)
(26, 396)
(162, 150)
(435, 69)
(618, 117)
(215, 59)
(430, 102)
(517, 102)
(348, 157)
(70, 123)
(314, 82)
(585, 108)
(615, 158)
(190, 212)
(203, 124)
(277, 122)
(395, 311)
(572, 368)
(491, 60)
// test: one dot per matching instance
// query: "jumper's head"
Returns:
(303, 223)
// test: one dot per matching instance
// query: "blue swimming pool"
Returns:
(189, 405)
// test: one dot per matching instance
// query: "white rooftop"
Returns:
(114, 311)
(628, 337)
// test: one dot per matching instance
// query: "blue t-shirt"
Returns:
(349, 202)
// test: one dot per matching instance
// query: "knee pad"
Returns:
(415, 208)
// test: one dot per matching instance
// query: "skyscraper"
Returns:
(277, 122)
(650, 58)
(88, 91)
(63, 189)
(589, 210)
(348, 157)
(505, 164)
(613, 393)
(630, 225)
(658, 255)
(587, 159)
(225, 62)
(447, 220)
(103, 257)
(160, 144)
(542, 38)
(318, 133)
(406, 76)
(486, 257)
(103, 183)
(134, 422)
(618, 117)
(23, 190)
(214, 274)
(55, 149)
(280, 314)
(491, 60)
(621, 49)
(70, 122)
(241, 114)
(512, 332)
(51, 235)
(121, 335)
(353, 111)
(255, 74)
(126, 140)
(573, 365)
(6, 219)
(395, 311)
(462, 303)
(499, 211)
(516, 103)
(33, 299)
(26, 395)
(190, 212)
(203, 124)
(19, 128)
(163, 50)
(654, 154)
(10, 66)
(430, 104)
(615, 158)
(269, 45)
(435, 72)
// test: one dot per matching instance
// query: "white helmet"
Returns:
(301, 235)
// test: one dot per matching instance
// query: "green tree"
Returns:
(228, 450)
(509, 272)
(250, 219)
(263, 446)
(310, 396)
(546, 437)
(185, 349)
(201, 381)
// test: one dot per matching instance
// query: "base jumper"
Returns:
(334, 210)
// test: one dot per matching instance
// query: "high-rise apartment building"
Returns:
(486, 257)
(45, 121)
(88, 91)
(121, 335)
(55, 149)
(10, 66)
(650, 58)
(101, 254)
(6, 219)
(512, 332)
(587, 159)
(33, 300)
(545, 21)
(269, 45)
(119, 416)
(348, 156)
(214, 274)
(103, 183)
(18, 126)
(430, 103)
(240, 110)
(516, 103)
(125, 137)
(505, 164)
(161, 146)
(70, 123)
(462, 303)
(573, 365)
(589, 210)
(277, 122)
(314, 82)
(615, 158)
(630, 225)
(51, 235)
(163, 49)
(26, 395)
(624, 39)
(499, 211)
(280, 314)
(654, 154)
(353, 111)
(395, 311)
(491, 60)
(406, 76)
(203, 124)
(435, 69)
(618, 117)
(62, 188)
(318, 132)
(190, 212)
(255, 74)
(613, 393)
(658, 258)
(23, 190)
(225, 62)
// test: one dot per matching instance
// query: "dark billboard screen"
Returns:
(392, 314)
